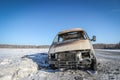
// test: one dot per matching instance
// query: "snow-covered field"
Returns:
(32, 64)
(114, 50)
(6, 52)
(17, 64)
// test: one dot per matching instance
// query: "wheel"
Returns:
(52, 66)
(94, 65)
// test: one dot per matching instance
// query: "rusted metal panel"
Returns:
(71, 30)
(70, 46)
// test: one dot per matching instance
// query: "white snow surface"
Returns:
(15, 64)
(111, 50)
(31, 64)
(6, 52)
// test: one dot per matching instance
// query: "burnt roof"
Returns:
(70, 30)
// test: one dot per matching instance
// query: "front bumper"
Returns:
(71, 64)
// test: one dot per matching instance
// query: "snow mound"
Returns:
(5, 62)
(17, 69)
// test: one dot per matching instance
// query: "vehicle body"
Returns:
(72, 49)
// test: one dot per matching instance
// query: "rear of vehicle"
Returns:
(72, 49)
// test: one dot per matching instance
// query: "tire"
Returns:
(94, 65)
(52, 66)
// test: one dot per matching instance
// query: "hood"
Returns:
(70, 46)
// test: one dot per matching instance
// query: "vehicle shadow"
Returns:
(41, 59)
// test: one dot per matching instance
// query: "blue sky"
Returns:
(38, 21)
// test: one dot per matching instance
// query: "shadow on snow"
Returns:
(42, 61)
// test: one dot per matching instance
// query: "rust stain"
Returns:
(74, 45)
(71, 30)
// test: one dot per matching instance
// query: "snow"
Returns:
(18, 69)
(111, 50)
(6, 52)
(16, 64)
(32, 64)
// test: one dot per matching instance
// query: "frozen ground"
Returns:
(108, 64)
(31, 64)
(14, 65)
(114, 50)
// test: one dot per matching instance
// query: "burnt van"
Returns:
(72, 49)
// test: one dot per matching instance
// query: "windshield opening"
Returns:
(72, 36)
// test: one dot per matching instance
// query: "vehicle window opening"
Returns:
(72, 36)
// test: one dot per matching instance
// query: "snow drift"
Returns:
(17, 69)
(18, 64)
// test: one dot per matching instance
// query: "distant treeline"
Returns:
(96, 46)
(23, 46)
(107, 46)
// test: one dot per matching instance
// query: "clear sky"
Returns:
(38, 21)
